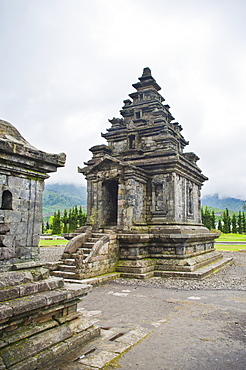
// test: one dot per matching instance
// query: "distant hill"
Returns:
(61, 196)
(233, 204)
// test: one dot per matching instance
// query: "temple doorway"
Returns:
(110, 202)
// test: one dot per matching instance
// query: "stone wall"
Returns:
(25, 217)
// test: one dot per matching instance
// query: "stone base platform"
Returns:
(39, 320)
(183, 254)
(138, 272)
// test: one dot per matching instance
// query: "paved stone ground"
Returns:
(194, 328)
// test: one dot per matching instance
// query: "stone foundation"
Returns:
(147, 255)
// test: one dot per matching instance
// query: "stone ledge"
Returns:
(26, 289)
(26, 265)
(201, 273)
(31, 346)
(95, 280)
(41, 300)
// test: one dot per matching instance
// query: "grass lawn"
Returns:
(235, 248)
(50, 243)
(232, 238)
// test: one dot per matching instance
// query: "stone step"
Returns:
(64, 274)
(70, 268)
(47, 346)
(143, 276)
(69, 261)
(86, 250)
(26, 289)
(137, 270)
(197, 274)
(95, 280)
(92, 240)
(38, 301)
(88, 245)
(98, 235)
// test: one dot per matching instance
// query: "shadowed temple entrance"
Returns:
(110, 202)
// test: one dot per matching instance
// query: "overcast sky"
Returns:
(67, 65)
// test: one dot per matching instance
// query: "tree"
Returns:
(81, 217)
(72, 220)
(206, 218)
(213, 223)
(43, 227)
(65, 221)
(234, 224)
(56, 228)
(226, 221)
(239, 223)
(243, 223)
(220, 228)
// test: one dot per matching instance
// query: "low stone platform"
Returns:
(143, 256)
(39, 320)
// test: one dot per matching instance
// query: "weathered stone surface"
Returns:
(29, 331)
(14, 278)
(99, 360)
(82, 338)
(76, 243)
(29, 364)
(48, 356)
(28, 347)
(2, 366)
(5, 312)
(9, 293)
(29, 303)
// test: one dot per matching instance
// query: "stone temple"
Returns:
(145, 190)
(143, 179)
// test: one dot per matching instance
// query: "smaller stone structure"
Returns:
(23, 170)
(39, 320)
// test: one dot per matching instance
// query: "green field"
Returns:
(50, 243)
(220, 247)
(232, 238)
(233, 247)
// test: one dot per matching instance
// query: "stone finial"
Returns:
(146, 72)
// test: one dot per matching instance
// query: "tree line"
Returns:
(226, 224)
(65, 222)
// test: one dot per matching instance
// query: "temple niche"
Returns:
(143, 186)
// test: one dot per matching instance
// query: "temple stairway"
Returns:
(67, 267)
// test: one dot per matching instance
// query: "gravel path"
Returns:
(231, 277)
